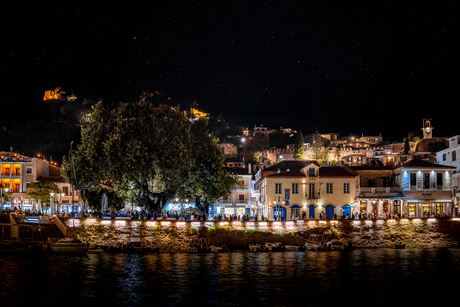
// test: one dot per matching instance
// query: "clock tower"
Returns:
(427, 129)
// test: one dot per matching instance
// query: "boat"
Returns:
(315, 242)
(134, 246)
(335, 245)
(68, 246)
(274, 246)
(218, 249)
(257, 248)
(196, 245)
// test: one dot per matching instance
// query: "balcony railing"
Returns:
(380, 189)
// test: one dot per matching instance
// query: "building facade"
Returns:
(426, 187)
(311, 191)
(18, 171)
(241, 200)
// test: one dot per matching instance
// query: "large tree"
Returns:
(155, 152)
(318, 147)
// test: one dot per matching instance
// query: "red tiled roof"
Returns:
(414, 162)
(334, 171)
(295, 173)
(291, 165)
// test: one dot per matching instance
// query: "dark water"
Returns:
(363, 277)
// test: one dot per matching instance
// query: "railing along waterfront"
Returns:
(290, 225)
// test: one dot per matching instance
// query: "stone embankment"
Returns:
(174, 236)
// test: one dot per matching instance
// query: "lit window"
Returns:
(346, 187)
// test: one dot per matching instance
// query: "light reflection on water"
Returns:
(232, 279)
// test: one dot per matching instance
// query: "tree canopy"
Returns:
(153, 152)
(40, 191)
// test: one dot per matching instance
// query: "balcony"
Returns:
(375, 190)
(245, 187)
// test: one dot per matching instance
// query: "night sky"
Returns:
(338, 67)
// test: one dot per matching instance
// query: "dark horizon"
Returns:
(347, 68)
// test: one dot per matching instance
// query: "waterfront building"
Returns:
(426, 188)
(451, 157)
(18, 171)
(241, 200)
(307, 189)
(379, 190)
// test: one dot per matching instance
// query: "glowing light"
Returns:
(165, 223)
(250, 224)
(431, 220)
(300, 221)
(223, 223)
(106, 223)
(149, 224)
(196, 224)
(262, 224)
(356, 222)
(180, 224)
(456, 219)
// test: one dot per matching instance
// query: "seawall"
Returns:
(172, 235)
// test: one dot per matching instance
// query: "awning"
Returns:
(428, 200)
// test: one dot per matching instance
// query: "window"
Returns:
(65, 190)
(277, 188)
(311, 172)
(413, 181)
(443, 157)
(426, 181)
(29, 170)
(454, 155)
(329, 188)
(439, 181)
(311, 190)
(295, 188)
(346, 187)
